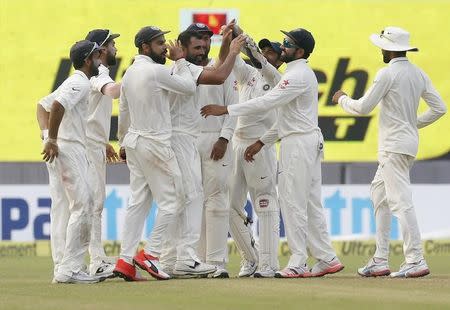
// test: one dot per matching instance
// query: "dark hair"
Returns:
(185, 37)
(400, 54)
(306, 54)
(78, 64)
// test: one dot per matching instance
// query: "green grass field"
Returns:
(25, 284)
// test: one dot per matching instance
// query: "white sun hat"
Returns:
(393, 39)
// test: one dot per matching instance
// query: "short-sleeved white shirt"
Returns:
(73, 95)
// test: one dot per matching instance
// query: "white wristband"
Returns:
(44, 134)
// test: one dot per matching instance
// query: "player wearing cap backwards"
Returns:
(184, 110)
(257, 177)
(99, 151)
(398, 89)
(216, 163)
(62, 117)
(301, 151)
(145, 132)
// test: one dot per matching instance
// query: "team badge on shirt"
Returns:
(264, 203)
(283, 84)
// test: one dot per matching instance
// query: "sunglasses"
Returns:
(94, 48)
(288, 44)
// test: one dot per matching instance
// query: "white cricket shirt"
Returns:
(253, 84)
(144, 108)
(225, 94)
(398, 88)
(99, 108)
(73, 95)
(295, 96)
(184, 109)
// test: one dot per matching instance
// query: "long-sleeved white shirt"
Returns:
(295, 96)
(225, 94)
(99, 108)
(398, 88)
(144, 99)
(253, 84)
(73, 95)
(184, 108)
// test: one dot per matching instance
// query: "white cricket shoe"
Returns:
(79, 278)
(322, 267)
(413, 270)
(265, 271)
(294, 272)
(375, 269)
(102, 269)
(247, 268)
(220, 273)
(193, 269)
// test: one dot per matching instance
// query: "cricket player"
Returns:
(301, 151)
(62, 117)
(145, 131)
(398, 89)
(216, 163)
(257, 177)
(186, 120)
(99, 151)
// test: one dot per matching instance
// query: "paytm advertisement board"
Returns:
(34, 60)
(25, 212)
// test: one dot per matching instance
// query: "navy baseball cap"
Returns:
(147, 34)
(82, 50)
(199, 27)
(302, 38)
(101, 36)
(276, 46)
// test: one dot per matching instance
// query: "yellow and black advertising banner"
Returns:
(36, 37)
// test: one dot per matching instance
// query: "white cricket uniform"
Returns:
(72, 197)
(97, 132)
(301, 151)
(259, 177)
(398, 89)
(216, 174)
(145, 131)
(185, 232)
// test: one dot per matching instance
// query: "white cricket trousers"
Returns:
(182, 245)
(391, 194)
(299, 188)
(259, 179)
(216, 212)
(154, 174)
(96, 153)
(72, 208)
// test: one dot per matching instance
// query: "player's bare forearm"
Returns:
(42, 117)
(213, 109)
(55, 118)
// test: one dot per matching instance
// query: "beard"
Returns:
(157, 58)
(286, 58)
(93, 69)
(111, 59)
(196, 60)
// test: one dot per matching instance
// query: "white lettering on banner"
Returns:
(25, 212)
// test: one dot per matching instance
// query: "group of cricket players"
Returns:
(199, 136)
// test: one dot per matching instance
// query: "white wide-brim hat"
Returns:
(393, 39)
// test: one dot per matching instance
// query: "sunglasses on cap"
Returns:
(288, 44)
(94, 48)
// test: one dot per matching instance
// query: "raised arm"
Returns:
(217, 76)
